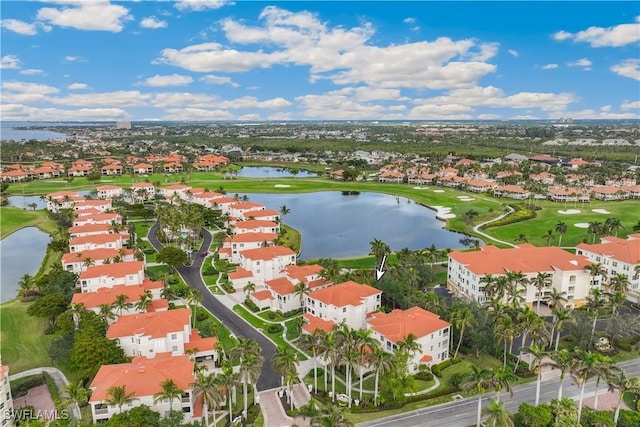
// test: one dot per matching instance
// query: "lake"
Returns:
(338, 226)
(21, 253)
(271, 172)
(8, 132)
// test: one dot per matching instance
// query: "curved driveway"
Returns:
(269, 378)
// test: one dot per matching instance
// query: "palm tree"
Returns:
(168, 292)
(555, 298)
(562, 360)
(228, 380)
(118, 396)
(595, 302)
(75, 393)
(409, 345)
(26, 284)
(497, 414)
(106, 313)
(595, 271)
(379, 249)
(561, 228)
(284, 362)
(616, 300)
(301, 290)
(77, 310)
(581, 370)
(170, 391)
(548, 236)
(619, 283)
(479, 381)
(538, 353)
(331, 352)
(503, 377)
(489, 282)
(364, 343)
(248, 288)
(602, 370)
(522, 238)
(194, 299)
(461, 319)
(250, 370)
(541, 281)
(382, 363)
(613, 224)
(211, 391)
(121, 303)
(332, 416)
(144, 301)
(504, 331)
(562, 318)
(623, 384)
(313, 342)
(284, 211)
(528, 320)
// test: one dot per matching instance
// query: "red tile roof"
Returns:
(251, 237)
(262, 295)
(96, 238)
(398, 324)
(199, 343)
(155, 324)
(240, 273)
(267, 253)
(625, 250)
(254, 223)
(313, 323)
(143, 377)
(118, 269)
(141, 185)
(524, 258)
(281, 286)
(247, 205)
(108, 187)
(343, 294)
(94, 254)
(261, 213)
(301, 272)
(108, 295)
(90, 228)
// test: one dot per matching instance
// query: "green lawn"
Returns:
(13, 219)
(291, 238)
(23, 344)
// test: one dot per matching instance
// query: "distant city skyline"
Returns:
(215, 60)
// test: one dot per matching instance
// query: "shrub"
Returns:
(320, 373)
(520, 213)
(148, 251)
(271, 315)
(252, 413)
(209, 271)
(437, 369)
(201, 316)
(458, 378)
(275, 329)
(424, 376)
(21, 386)
(292, 313)
(251, 305)
(173, 281)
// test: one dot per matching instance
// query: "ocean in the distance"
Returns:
(9, 132)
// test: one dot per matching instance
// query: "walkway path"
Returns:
(476, 229)
(274, 413)
(58, 377)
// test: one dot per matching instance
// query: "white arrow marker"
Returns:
(380, 271)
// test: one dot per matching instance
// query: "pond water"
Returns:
(20, 253)
(271, 172)
(340, 226)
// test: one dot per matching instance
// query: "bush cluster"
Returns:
(520, 213)
(437, 369)
(251, 305)
(292, 313)
(424, 376)
(21, 386)
(209, 271)
(275, 328)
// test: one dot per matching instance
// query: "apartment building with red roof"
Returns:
(96, 241)
(233, 245)
(150, 333)
(238, 209)
(93, 300)
(512, 192)
(431, 332)
(348, 302)
(141, 191)
(110, 275)
(617, 256)
(77, 262)
(62, 200)
(143, 169)
(568, 194)
(79, 170)
(172, 167)
(15, 176)
(176, 189)
(100, 205)
(109, 191)
(111, 169)
(96, 218)
(89, 230)
(608, 192)
(255, 226)
(263, 264)
(143, 377)
(568, 271)
(264, 214)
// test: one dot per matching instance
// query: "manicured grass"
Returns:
(224, 335)
(267, 313)
(13, 219)
(23, 344)
(628, 400)
(293, 331)
(291, 238)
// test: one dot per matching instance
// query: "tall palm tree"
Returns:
(301, 290)
(613, 224)
(548, 236)
(106, 313)
(75, 394)
(596, 301)
(581, 370)
(349, 353)
(194, 299)
(561, 228)
(489, 281)
(121, 303)
(503, 377)
(284, 211)
(538, 353)
(562, 360)
(462, 319)
(562, 318)
(623, 384)
(505, 331)
(541, 281)
(250, 370)
(364, 343)
(144, 301)
(555, 298)
(479, 380)
(313, 342)
(382, 363)
(284, 362)
(211, 392)
(118, 396)
(602, 370)
(228, 380)
(619, 283)
(528, 320)
(170, 391)
(596, 271)
(497, 414)
(330, 351)
(379, 249)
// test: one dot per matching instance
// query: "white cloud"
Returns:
(513, 52)
(167, 80)
(633, 105)
(197, 114)
(583, 62)
(614, 36)
(96, 15)
(605, 108)
(628, 68)
(250, 117)
(70, 58)
(409, 20)
(279, 116)
(20, 27)
(10, 62)
(153, 23)
(199, 5)
(78, 86)
(595, 115)
(344, 56)
(487, 116)
(253, 102)
(33, 88)
(219, 80)
(31, 71)
(121, 98)
(22, 112)
(550, 67)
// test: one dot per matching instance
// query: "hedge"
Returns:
(519, 214)
(437, 369)
(275, 328)
(22, 385)
(251, 305)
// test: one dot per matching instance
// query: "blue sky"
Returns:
(364, 60)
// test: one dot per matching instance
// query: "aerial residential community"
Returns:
(218, 213)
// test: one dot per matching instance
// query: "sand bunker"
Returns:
(600, 211)
(419, 188)
(438, 191)
(468, 199)
(569, 212)
(581, 225)
(443, 212)
(281, 186)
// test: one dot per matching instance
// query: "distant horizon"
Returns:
(287, 61)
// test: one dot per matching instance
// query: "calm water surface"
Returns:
(20, 253)
(338, 226)
(24, 201)
(271, 172)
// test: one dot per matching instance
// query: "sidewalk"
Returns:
(274, 414)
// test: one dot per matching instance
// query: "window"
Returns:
(174, 348)
(174, 336)
(344, 309)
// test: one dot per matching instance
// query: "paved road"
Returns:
(269, 378)
(463, 413)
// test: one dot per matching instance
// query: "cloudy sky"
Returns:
(220, 60)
